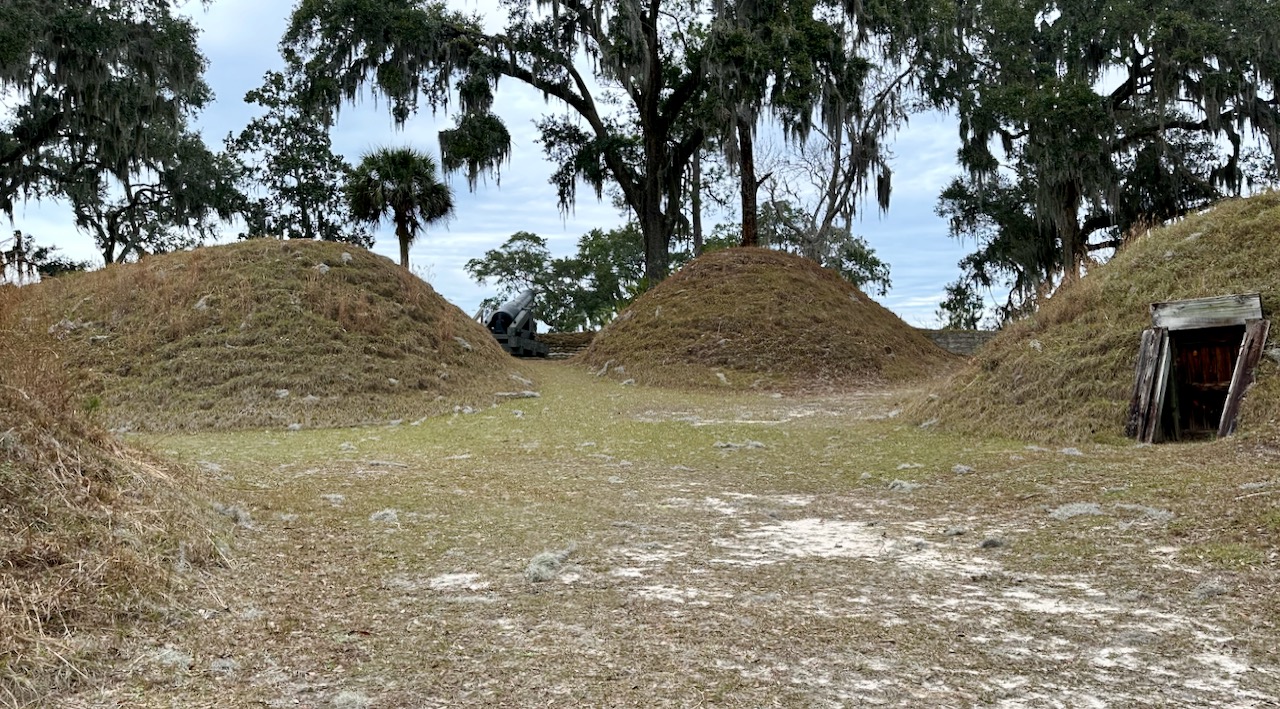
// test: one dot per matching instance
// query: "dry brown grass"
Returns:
(567, 339)
(265, 333)
(1066, 373)
(762, 319)
(92, 533)
(794, 573)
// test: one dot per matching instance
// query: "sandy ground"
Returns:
(409, 576)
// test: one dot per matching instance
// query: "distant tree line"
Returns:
(1079, 122)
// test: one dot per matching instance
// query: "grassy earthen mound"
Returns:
(93, 535)
(266, 333)
(1066, 373)
(757, 318)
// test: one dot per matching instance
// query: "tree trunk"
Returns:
(653, 224)
(405, 237)
(747, 173)
(1069, 232)
(697, 202)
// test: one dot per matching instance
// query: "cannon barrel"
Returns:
(502, 318)
(515, 329)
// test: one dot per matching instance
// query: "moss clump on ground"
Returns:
(265, 333)
(93, 535)
(756, 318)
(1066, 373)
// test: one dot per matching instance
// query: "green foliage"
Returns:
(400, 183)
(293, 180)
(963, 307)
(1105, 117)
(157, 207)
(101, 95)
(793, 58)
(411, 53)
(515, 266)
(586, 290)
(1013, 247)
(479, 141)
(89, 84)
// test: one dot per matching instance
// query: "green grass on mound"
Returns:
(265, 333)
(1066, 373)
(92, 533)
(762, 319)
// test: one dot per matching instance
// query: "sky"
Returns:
(240, 40)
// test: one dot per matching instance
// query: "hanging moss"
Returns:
(479, 142)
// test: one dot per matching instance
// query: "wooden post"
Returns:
(1151, 432)
(1255, 337)
(1151, 378)
(1144, 372)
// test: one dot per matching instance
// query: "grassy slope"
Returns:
(763, 319)
(258, 334)
(90, 531)
(1066, 373)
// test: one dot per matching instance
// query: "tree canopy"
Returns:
(101, 95)
(640, 84)
(1082, 119)
(292, 179)
(88, 82)
(409, 52)
(400, 184)
(577, 292)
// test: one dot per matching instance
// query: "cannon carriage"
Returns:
(514, 327)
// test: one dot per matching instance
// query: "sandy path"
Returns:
(768, 552)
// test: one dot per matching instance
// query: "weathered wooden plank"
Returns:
(1151, 432)
(1218, 311)
(1255, 338)
(1143, 374)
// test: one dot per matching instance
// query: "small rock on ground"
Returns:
(173, 657)
(903, 486)
(350, 700)
(546, 565)
(1211, 588)
(388, 515)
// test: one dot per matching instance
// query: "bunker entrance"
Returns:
(1200, 378)
(1194, 366)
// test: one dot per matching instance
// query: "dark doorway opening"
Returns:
(1194, 366)
(1203, 363)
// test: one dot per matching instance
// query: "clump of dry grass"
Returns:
(92, 533)
(747, 318)
(265, 333)
(1065, 374)
(567, 339)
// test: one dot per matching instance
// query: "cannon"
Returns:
(514, 328)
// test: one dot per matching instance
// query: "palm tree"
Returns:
(403, 183)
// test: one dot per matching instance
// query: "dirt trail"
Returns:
(745, 551)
